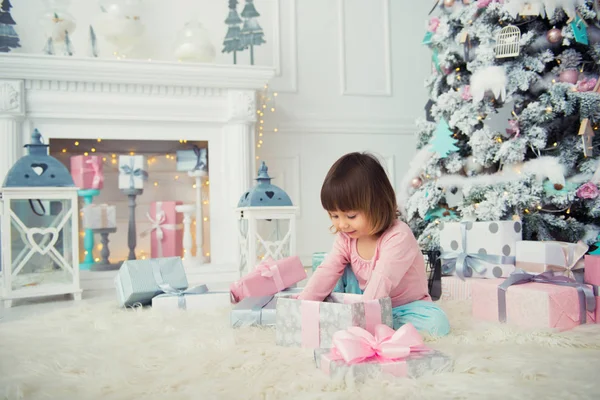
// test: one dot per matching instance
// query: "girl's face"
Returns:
(353, 223)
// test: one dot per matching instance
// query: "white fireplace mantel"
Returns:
(87, 98)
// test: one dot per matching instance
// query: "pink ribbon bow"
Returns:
(355, 345)
(95, 168)
(159, 225)
(272, 271)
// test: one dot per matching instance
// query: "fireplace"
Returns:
(68, 98)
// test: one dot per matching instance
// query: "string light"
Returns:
(64, 150)
(76, 143)
(99, 140)
(86, 153)
(93, 150)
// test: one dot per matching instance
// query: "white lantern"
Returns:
(40, 243)
(266, 223)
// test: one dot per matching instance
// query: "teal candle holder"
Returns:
(88, 240)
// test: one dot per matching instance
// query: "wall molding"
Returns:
(375, 126)
(293, 46)
(387, 92)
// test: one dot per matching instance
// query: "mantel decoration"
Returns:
(193, 44)
(251, 34)
(262, 211)
(58, 26)
(8, 36)
(133, 173)
(40, 245)
(120, 23)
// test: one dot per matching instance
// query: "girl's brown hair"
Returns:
(358, 182)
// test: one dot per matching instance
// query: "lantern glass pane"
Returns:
(41, 242)
(272, 239)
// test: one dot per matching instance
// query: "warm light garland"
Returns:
(266, 101)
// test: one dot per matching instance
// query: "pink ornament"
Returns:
(513, 127)
(569, 76)
(485, 3)
(466, 93)
(434, 22)
(588, 191)
(585, 85)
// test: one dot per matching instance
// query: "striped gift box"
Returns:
(453, 288)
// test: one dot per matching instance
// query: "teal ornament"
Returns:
(435, 58)
(38, 168)
(265, 194)
(438, 213)
(442, 142)
(597, 245)
(579, 30)
(427, 38)
(550, 190)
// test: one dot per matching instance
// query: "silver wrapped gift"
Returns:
(253, 311)
(311, 324)
(138, 281)
(99, 216)
(413, 366)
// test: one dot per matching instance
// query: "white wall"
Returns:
(350, 77)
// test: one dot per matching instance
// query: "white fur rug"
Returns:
(96, 351)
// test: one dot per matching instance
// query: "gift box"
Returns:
(530, 305)
(311, 324)
(258, 310)
(192, 160)
(138, 281)
(560, 257)
(358, 355)
(198, 298)
(87, 172)
(489, 248)
(317, 259)
(166, 230)
(133, 172)
(268, 278)
(99, 216)
(454, 288)
(591, 273)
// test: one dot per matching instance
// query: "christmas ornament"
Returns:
(585, 85)
(448, 3)
(513, 128)
(491, 78)
(554, 35)
(443, 142)
(579, 28)
(569, 76)
(507, 42)
(416, 183)
(587, 135)
(472, 167)
(588, 190)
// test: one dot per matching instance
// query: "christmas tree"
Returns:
(252, 33)
(517, 85)
(8, 37)
(233, 38)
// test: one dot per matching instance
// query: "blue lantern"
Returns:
(267, 223)
(40, 235)
(38, 168)
(265, 194)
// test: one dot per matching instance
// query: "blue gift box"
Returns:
(192, 160)
(138, 281)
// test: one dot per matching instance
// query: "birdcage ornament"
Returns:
(508, 42)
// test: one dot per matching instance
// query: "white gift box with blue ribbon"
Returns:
(198, 298)
(133, 172)
(479, 249)
(252, 311)
(138, 281)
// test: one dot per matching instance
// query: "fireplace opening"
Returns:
(168, 165)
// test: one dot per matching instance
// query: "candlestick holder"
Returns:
(88, 238)
(104, 264)
(131, 231)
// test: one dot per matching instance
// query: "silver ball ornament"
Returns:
(554, 35)
(472, 167)
(416, 183)
(448, 3)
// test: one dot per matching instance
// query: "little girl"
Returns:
(374, 254)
